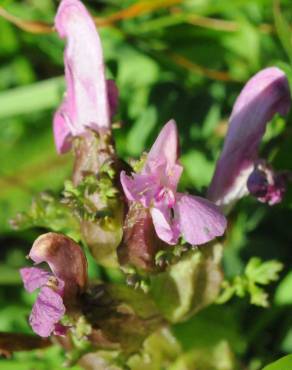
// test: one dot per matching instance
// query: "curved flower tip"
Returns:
(264, 95)
(165, 147)
(173, 214)
(86, 103)
(65, 258)
(59, 288)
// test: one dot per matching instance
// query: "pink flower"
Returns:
(49, 308)
(264, 95)
(90, 100)
(60, 288)
(174, 214)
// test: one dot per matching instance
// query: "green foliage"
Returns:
(189, 285)
(161, 62)
(78, 197)
(256, 274)
(75, 197)
(219, 358)
(282, 364)
(48, 359)
(283, 294)
(161, 347)
(48, 212)
(32, 98)
(283, 29)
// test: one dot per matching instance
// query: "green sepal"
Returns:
(189, 285)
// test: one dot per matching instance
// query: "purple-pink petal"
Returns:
(165, 226)
(173, 176)
(161, 172)
(265, 94)
(46, 312)
(199, 220)
(62, 132)
(173, 214)
(34, 278)
(86, 102)
(165, 148)
(139, 188)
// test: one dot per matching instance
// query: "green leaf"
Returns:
(219, 357)
(136, 140)
(286, 345)
(256, 273)
(189, 285)
(31, 98)
(46, 359)
(221, 321)
(9, 275)
(161, 347)
(258, 296)
(283, 30)
(263, 272)
(284, 363)
(283, 294)
(139, 301)
(201, 173)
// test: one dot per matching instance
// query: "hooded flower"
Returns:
(90, 100)
(173, 214)
(58, 289)
(239, 170)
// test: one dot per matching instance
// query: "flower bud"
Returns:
(266, 185)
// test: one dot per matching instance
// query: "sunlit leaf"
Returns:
(282, 364)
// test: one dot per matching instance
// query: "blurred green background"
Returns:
(186, 60)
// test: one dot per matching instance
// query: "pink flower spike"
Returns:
(86, 104)
(264, 95)
(173, 214)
